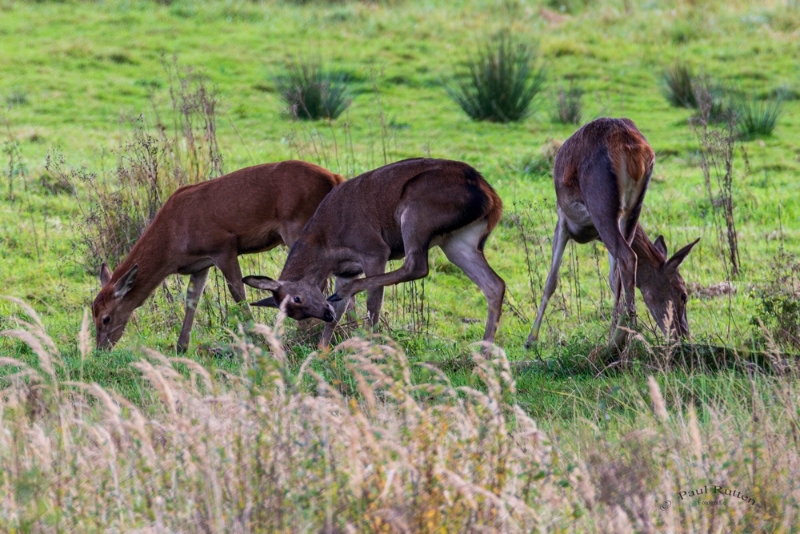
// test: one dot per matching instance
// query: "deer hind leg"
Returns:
(229, 265)
(463, 248)
(197, 282)
(625, 260)
(616, 288)
(290, 233)
(560, 238)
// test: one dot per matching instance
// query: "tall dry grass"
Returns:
(279, 448)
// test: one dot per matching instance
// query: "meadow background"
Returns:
(83, 82)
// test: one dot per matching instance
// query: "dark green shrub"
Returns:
(499, 82)
(311, 92)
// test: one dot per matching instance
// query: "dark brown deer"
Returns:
(601, 175)
(400, 210)
(210, 224)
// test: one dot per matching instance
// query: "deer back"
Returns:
(238, 213)
(364, 213)
(615, 145)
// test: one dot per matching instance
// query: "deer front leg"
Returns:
(197, 282)
(414, 268)
(374, 267)
(374, 304)
(560, 238)
(339, 308)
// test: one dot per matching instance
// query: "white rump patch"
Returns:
(464, 239)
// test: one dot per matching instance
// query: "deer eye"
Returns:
(106, 319)
(297, 300)
(684, 297)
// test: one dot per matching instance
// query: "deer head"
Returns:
(662, 288)
(301, 300)
(110, 309)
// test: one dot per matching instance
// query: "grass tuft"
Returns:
(16, 97)
(313, 92)
(500, 82)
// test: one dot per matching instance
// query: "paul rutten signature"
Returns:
(717, 492)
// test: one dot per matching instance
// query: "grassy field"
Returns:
(78, 74)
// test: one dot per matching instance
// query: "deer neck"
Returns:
(153, 258)
(649, 259)
(307, 262)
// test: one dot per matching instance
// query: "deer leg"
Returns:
(197, 282)
(373, 267)
(560, 238)
(229, 265)
(417, 234)
(463, 248)
(339, 308)
(616, 287)
(625, 266)
(290, 233)
(414, 268)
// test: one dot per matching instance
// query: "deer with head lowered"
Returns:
(399, 210)
(210, 224)
(601, 174)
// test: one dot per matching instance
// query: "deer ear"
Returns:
(675, 261)
(126, 283)
(661, 245)
(262, 282)
(105, 274)
(268, 302)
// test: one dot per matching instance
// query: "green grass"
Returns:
(84, 66)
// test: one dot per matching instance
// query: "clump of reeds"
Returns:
(500, 82)
(679, 85)
(311, 91)
(757, 117)
(569, 106)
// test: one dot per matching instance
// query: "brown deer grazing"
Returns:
(601, 175)
(400, 210)
(210, 223)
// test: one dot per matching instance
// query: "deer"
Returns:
(397, 211)
(601, 174)
(211, 223)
